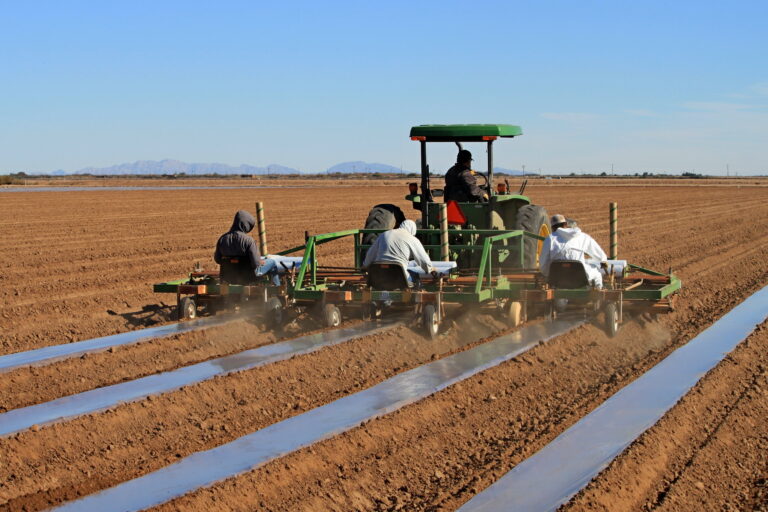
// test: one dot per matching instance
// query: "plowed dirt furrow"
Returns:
(656, 219)
(152, 241)
(711, 217)
(28, 386)
(432, 455)
(437, 453)
(140, 437)
(707, 453)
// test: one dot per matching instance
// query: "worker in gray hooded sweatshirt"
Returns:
(237, 242)
(399, 246)
(571, 243)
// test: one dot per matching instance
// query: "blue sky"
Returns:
(656, 86)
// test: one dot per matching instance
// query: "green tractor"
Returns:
(484, 254)
(502, 211)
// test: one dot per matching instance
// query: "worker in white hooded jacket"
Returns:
(572, 244)
(399, 246)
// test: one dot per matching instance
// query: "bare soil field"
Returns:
(374, 181)
(77, 265)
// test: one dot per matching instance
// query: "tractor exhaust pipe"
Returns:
(614, 221)
(262, 229)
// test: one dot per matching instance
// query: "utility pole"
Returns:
(727, 170)
(612, 173)
(523, 169)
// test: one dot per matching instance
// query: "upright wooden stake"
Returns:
(614, 250)
(262, 229)
(444, 249)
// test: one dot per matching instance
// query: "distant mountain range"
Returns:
(359, 166)
(179, 167)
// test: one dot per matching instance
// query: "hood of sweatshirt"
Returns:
(244, 222)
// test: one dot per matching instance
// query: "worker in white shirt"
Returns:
(399, 246)
(571, 243)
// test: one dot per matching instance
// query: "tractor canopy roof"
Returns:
(463, 132)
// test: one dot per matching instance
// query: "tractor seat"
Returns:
(386, 276)
(236, 270)
(567, 274)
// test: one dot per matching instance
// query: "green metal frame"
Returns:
(637, 294)
(487, 287)
(308, 288)
(214, 288)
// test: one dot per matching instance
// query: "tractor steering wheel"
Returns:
(485, 178)
(485, 186)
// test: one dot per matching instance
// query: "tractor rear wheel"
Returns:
(534, 219)
(381, 216)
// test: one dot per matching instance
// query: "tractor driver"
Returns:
(571, 243)
(400, 246)
(237, 242)
(460, 182)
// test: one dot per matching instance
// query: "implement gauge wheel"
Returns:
(612, 319)
(187, 309)
(431, 322)
(515, 313)
(331, 315)
(273, 310)
(534, 219)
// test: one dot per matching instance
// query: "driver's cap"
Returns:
(557, 219)
(463, 156)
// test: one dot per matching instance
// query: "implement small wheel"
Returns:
(273, 310)
(370, 311)
(431, 321)
(514, 312)
(611, 319)
(331, 315)
(187, 309)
